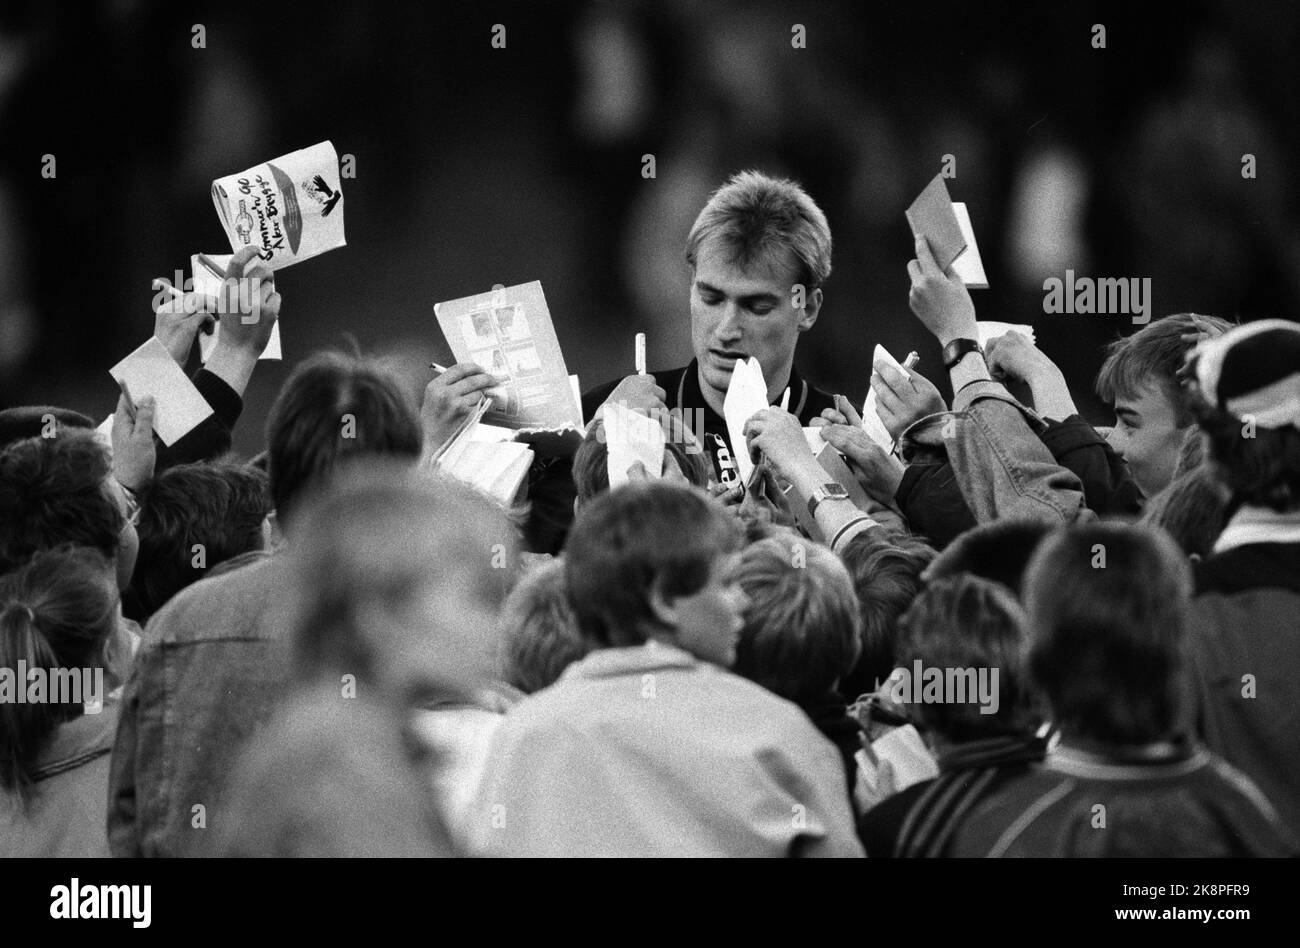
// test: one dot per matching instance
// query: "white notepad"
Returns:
(968, 265)
(746, 397)
(151, 370)
(630, 437)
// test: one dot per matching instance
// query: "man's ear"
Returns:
(662, 607)
(812, 308)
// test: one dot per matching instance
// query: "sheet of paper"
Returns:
(989, 330)
(105, 432)
(510, 334)
(815, 440)
(871, 423)
(931, 215)
(151, 370)
(968, 265)
(576, 386)
(210, 285)
(290, 207)
(746, 396)
(630, 437)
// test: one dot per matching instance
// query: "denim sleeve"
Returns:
(123, 815)
(1002, 467)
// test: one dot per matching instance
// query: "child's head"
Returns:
(332, 409)
(194, 517)
(58, 611)
(540, 632)
(1249, 408)
(1193, 509)
(1141, 378)
(972, 631)
(61, 490)
(397, 581)
(801, 624)
(886, 572)
(1106, 605)
(682, 456)
(653, 561)
(998, 550)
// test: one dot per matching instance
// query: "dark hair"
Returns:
(886, 571)
(57, 611)
(999, 551)
(218, 506)
(964, 622)
(801, 625)
(33, 421)
(52, 492)
(1260, 468)
(591, 461)
(1193, 509)
(1107, 604)
(1156, 354)
(626, 542)
(332, 408)
(540, 630)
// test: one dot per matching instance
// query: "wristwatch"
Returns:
(957, 350)
(829, 491)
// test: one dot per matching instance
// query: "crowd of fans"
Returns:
(332, 648)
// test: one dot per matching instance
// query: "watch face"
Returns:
(835, 490)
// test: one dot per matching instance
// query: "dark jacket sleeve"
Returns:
(1107, 484)
(211, 438)
(931, 501)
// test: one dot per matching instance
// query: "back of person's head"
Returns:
(801, 625)
(998, 551)
(396, 578)
(194, 517)
(53, 491)
(886, 570)
(764, 221)
(332, 408)
(1193, 509)
(39, 421)
(57, 611)
(1155, 355)
(643, 538)
(539, 630)
(1107, 605)
(1248, 405)
(961, 625)
(591, 461)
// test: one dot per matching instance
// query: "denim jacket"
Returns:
(208, 677)
(997, 458)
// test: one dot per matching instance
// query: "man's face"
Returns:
(709, 621)
(739, 313)
(1147, 436)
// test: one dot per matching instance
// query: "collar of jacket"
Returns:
(78, 741)
(1253, 525)
(991, 752)
(1099, 761)
(631, 660)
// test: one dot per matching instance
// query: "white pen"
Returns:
(785, 400)
(640, 353)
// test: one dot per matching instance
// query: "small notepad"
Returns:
(151, 370)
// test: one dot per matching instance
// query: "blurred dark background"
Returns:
(477, 166)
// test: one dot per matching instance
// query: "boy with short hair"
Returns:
(648, 746)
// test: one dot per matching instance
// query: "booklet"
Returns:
(932, 216)
(989, 330)
(151, 370)
(969, 265)
(290, 207)
(207, 283)
(510, 334)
